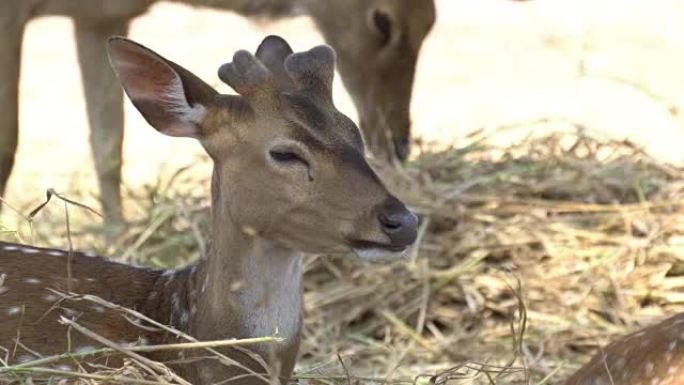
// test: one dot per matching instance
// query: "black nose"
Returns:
(398, 223)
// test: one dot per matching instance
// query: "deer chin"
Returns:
(378, 252)
(380, 255)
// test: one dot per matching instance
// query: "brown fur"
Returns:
(378, 74)
(289, 177)
(652, 356)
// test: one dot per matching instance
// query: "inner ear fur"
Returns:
(170, 98)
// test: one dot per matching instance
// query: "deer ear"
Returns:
(169, 97)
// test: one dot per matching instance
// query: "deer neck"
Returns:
(250, 287)
(244, 287)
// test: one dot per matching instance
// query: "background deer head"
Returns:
(378, 43)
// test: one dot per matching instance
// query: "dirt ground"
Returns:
(613, 67)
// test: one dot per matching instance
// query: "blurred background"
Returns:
(546, 231)
(613, 67)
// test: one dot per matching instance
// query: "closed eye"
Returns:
(286, 156)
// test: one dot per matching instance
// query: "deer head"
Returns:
(378, 42)
(287, 164)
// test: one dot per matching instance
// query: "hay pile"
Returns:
(530, 257)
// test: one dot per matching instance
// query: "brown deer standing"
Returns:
(377, 42)
(289, 177)
(651, 356)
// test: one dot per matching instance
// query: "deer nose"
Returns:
(398, 223)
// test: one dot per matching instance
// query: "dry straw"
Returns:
(530, 257)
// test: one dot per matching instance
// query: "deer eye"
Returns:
(383, 25)
(285, 156)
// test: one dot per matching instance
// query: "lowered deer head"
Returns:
(378, 42)
(289, 177)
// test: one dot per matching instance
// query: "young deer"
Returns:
(651, 356)
(289, 177)
(377, 41)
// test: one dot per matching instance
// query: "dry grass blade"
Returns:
(593, 230)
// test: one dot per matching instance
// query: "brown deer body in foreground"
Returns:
(289, 177)
(377, 42)
(651, 356)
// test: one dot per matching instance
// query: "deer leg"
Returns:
(104, 100)
(12, 28)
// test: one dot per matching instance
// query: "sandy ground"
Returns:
(613, 66)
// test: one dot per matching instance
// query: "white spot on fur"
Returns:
(29, 250)
(10, 247)
(32, 281)
(4, 289)
(56, 253)
(175, 300)
(24, 358)
(649, 368)
(90, 254)
(672, 345)
(668, 357)
(85, 349)
(14, 310)
(170, 275)
(91, 279)
(70, 312)
(50, 297)
(99, 308)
